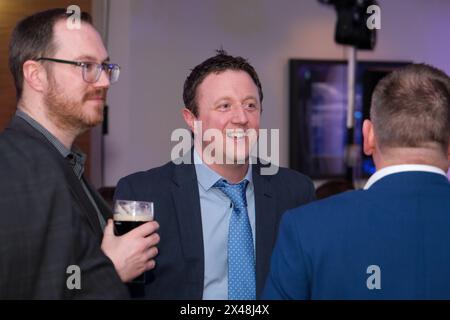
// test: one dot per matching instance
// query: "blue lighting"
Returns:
(368, 166)
(307, 74)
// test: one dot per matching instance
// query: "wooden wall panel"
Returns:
(10, 13)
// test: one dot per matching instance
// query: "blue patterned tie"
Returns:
(241, 261)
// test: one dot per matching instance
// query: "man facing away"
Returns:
(390, 240)
(218, 213)
(52, 220)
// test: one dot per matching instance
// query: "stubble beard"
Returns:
(67, 114)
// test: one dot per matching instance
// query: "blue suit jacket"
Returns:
(179, 272)
(401, 225)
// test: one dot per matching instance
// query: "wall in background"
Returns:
(12, 12)
(157, 43)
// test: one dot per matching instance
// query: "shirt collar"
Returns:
(77, 160)
(401, 168)
(75, 156)
(50, 137)
(207, 177)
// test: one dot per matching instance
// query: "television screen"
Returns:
(318, 113)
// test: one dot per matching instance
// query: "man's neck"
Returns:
(425, 156)
(233, 173)
(66, 137)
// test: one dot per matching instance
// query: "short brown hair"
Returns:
(33, 38)
(411, 108)
(222, 61)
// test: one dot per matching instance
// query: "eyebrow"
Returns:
(227, 98)
(90, 58)
(250, 98)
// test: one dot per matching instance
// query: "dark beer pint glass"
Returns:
(129, 215)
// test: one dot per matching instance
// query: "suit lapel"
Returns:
(186, 199)
(74, 184)
(87, 208)
(265, 221)
(105, 209)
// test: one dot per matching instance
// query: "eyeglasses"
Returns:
(92, 70)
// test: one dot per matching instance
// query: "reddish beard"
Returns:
(96, 93)
(71, 114)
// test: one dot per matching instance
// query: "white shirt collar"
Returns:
(401, 168)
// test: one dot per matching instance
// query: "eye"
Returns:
(224, 106)
(251, 106)
(108, 66)
(90, 66)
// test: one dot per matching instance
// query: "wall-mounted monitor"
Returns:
(318, 112)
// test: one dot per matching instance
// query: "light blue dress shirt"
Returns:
(216, 210)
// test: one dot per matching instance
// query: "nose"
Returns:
(240, 115)
(103, 81)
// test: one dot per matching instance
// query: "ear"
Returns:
(35, 75)
(189, 118)
(448, 152)
(369, 138)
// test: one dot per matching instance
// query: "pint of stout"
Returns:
(124, 223)
(129, 215)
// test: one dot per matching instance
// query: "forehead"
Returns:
(73, 43)
(231, 83)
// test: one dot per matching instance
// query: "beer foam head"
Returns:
(129, 217)
(133, 210)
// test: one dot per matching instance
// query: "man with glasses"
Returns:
(91, 70)
(56, 235)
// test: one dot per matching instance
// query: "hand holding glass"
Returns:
(129, 215)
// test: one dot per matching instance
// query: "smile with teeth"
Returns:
(236, 134)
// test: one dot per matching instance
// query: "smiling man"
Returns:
(52, 220)
(218, 216)
(230, 116)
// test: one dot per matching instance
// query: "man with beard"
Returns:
(52, 221)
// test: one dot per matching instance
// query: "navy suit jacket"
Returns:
(179, 272)
(330, 249)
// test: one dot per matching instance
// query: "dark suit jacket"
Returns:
(47, 224)
(401, 224)
(179, 272)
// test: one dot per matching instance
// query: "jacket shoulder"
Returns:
(155, 175)
(293, 175)
(334, 210)
(27, 153)
(293, 179)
